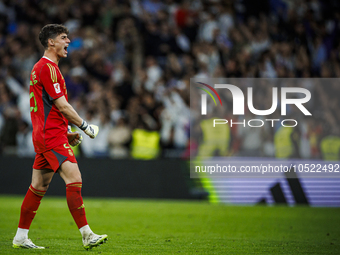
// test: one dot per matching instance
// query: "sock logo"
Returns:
(80, 207)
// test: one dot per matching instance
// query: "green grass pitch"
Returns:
(172, 227)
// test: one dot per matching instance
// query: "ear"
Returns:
(50, 42)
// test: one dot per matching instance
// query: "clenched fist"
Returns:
(74, 138)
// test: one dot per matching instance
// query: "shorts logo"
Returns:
(70, 152)
(66, 146)
(57, 87)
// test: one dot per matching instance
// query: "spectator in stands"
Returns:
(133, 60)
(24, 141)
(119, 137)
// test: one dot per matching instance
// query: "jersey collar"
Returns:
(48, 59)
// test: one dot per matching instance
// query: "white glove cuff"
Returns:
(84, 125)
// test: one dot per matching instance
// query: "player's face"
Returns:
(61, 44)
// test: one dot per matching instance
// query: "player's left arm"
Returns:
(68, 111)
(74, 138)
(50, 77)
(72, 116)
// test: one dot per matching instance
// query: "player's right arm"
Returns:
(72, 116)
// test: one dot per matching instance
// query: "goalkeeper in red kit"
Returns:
(50, 114)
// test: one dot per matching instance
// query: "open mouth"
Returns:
(65, 49)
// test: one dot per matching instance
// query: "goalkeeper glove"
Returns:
(90, 130)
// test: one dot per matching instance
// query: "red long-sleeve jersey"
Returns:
(49, 125)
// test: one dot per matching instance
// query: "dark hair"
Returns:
(51, 31)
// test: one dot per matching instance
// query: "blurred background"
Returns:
(128, 71)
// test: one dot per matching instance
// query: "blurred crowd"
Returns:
(130, 62)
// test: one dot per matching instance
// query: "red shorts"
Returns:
(53, 159)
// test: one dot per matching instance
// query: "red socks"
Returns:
(30, 206)
(33, 197)
(75, 203)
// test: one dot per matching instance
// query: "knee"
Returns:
(70, 172)
(78, 179)
(40, 186)
(75, 178)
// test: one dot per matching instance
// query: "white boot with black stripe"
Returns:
(25, 243)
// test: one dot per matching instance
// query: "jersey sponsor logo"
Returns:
(66, 146)
(53, 72)
(57, 87)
